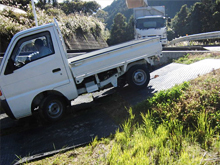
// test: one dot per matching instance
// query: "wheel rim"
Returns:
(54, 110)
(139, 77)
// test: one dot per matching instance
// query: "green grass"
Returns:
(191, 58)
(197, 43)
(177, 126)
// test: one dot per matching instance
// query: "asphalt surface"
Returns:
(72, 131)
(81, 127)
(168, 76)
(212, 48)
(175, 73)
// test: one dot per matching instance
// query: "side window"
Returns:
(29, 49)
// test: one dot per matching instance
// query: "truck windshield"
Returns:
(147, 23)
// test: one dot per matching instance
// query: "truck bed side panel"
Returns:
(112, 57)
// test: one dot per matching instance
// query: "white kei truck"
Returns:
(48, 83)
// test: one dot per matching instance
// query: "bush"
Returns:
(69, 24)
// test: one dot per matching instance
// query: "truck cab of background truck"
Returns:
(150, 21)
(151, 26)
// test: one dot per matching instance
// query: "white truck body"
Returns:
(48, 83)
(150, 22)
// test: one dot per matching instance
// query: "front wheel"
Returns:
(52, 108)
(138, 76)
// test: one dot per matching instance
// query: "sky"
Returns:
(103, 3)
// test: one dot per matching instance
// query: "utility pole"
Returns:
(34, 12)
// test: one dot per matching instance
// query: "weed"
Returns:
(94, 142)
(177, 126)
(204, 132)
(191, 58)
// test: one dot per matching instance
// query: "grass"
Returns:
(177, 126)
(191, 58)
(197, 43)
(11, 23)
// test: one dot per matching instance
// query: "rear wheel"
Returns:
(138, 76)
(52, 108)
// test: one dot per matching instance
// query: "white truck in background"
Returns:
(150, 21)
(47, 83)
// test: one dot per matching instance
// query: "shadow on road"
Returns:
(83, 122)
(74, 130)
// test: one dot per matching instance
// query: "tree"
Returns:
(119, 6)
(118, 31)
(101, 15)
(55, 3)
(199, 19)
(45, 4)
(130, 29)
(79, 6)
(202, 17)
(179, 22)
(90, 7)
(216, 16)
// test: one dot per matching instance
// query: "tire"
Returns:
(52, 108)
(138, 76)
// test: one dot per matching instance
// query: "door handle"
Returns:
(56, 70)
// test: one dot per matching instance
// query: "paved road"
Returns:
(170, 75)
(213, 48)
(74, 130)
(87, 123)
(177, 73)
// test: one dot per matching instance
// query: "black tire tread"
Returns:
(43, 106)
(130, 73)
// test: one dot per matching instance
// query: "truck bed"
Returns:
(112, 57)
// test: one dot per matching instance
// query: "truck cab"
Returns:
(149, 22)
(151, 26)
(26, 77)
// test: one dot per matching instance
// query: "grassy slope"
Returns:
(191, 58)
(81, 24)
(177, 126)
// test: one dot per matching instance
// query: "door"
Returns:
(35, 65)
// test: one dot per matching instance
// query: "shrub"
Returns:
(69, 24)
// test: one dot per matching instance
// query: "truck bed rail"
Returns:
(115, 56)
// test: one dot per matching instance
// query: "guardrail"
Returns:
(201, 36)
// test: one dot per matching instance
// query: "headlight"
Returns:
(138, 36)
(164, 35)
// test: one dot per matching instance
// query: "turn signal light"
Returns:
(0, 93)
